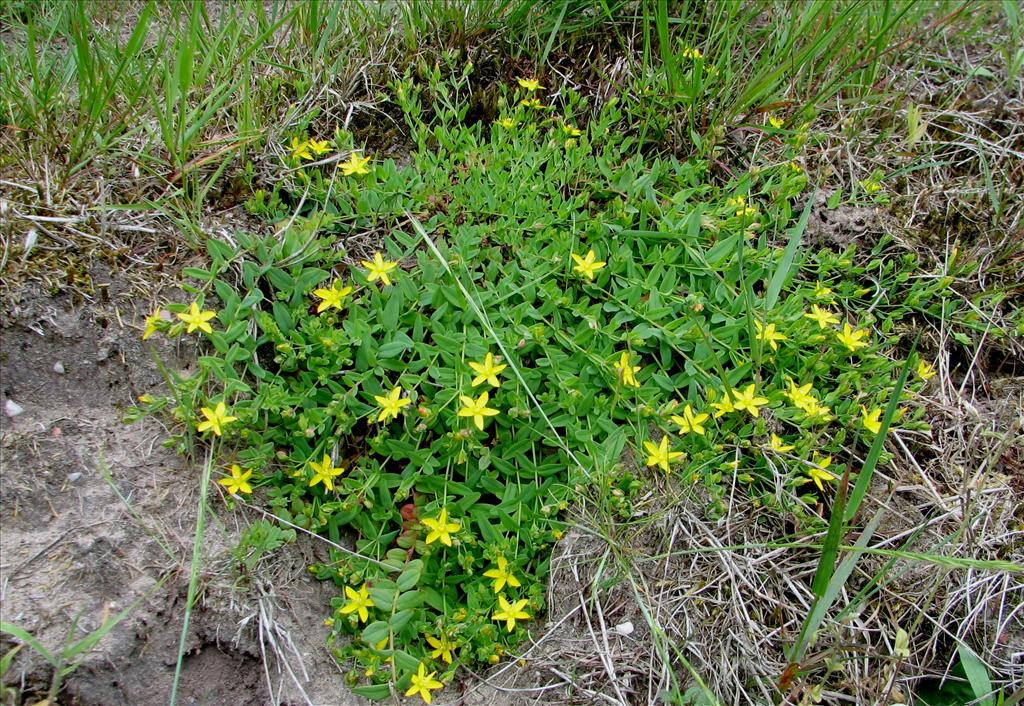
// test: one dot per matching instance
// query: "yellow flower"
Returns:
(154, 320)
(801, 396)
(870, 186)
(477, 409)
(747, 400)
(507, 123)
(422, 683)
(359, 602)
(331, 298)
(487, 371)
(691, 53)
(723, 407)
(216, 419)
(627, 373)
(197, 319)
(355, 164)
(300, 150)
(587, 266)
(391, 404)
(319, 147)
(817, 412)
(823, 317)
(690, 422)
(324, 472)
(775, 121)
(871, 420)
(817, 471)
(511, 612)
(740, 204)
(779, 446)
(822, 292)
(769, 335)
(530, 84)
(660, 456)
(378, 269)
(502, 575)
(571, 131)
(531, 103)
(442, 647)
(238, 482)
(440, 528)
(852, 339)
(924, 370)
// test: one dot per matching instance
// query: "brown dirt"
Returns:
(73, 555)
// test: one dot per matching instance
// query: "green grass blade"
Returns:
(864, 478)
(785, 269)
(194, 569)
(977, 674)
(26, 637)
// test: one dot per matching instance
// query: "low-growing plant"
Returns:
(549, 315)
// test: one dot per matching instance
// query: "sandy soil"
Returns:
(73, 554)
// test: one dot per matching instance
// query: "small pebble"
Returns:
(58, 368)
(625, 628)
(72, 477)
(12, 408)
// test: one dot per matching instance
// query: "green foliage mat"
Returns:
(552, 316)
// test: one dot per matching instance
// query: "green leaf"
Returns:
(377, 692)
(977, 674)
(375, 632)
(411, 576)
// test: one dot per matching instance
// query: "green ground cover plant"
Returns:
(482, 313)
(554, 316)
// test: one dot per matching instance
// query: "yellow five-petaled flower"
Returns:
(324, 472)
(823, 317)
(778, 445)
(502, 575)
(378, 269)
(690, 422)
(769, 335)
(924, 370)
(723, 407)
(627, 372)
(510, 612)
(870, 419)
(422, 683)
(851, 338)
(530, 84)
(238, 482)
(659, 455)
(747, 400)
(443, 647)
(477, 409)
(588, 265)
(300, 150)
(817, 471)
(487, 371)
(391, 404)
(153, 322)
(216, 419)
(332, 298)
(319, 147)
(197, 319)
(440, 528)
(359, 602)
(801, 397)
(355, 164)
